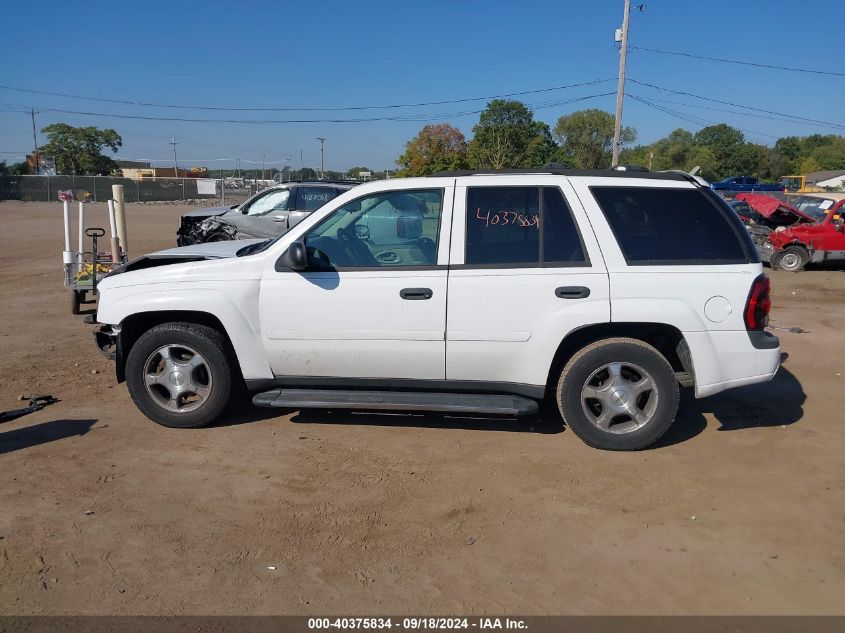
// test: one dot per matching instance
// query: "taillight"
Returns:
(758, 305)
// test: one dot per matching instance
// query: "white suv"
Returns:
(462, 292)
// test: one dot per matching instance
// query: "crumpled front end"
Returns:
(201, 230)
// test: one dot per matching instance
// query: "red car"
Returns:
(816, 233)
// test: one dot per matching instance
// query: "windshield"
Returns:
(816, 208)
(791, 183)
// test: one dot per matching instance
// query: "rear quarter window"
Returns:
(671, 226)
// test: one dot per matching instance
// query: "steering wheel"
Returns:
(355, 248)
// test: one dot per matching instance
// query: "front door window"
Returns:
(389, 229)
(276, 200)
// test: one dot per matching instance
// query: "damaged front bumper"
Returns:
(760, 237)
(201, 230)
(107, 338)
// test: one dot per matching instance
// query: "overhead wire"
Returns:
(414, 117)
(736, 61)
(735, 105)
(305, 109)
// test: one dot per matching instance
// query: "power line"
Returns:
(414, 117)
(747, 114)
(694, 120)
(304, 109)
(736, 105)
(736, 61)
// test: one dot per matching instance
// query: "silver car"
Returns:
(267, 214)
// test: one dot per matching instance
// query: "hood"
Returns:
(207, 212)
(774, 209)
(182, 254)
(209, 250)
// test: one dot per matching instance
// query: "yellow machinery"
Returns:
(798, 184)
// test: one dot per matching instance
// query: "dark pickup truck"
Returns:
(744, 183)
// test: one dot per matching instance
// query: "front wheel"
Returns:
(179, 375)
(618, 394)
(792, 259)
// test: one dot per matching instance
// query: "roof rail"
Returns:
(627, 171)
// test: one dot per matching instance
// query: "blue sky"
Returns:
(328, 54)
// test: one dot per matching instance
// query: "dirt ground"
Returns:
(739, 510)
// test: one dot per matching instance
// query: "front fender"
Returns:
(235, 305)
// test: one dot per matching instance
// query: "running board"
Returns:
(493, 404)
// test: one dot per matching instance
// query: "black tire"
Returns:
(791, 259)
(75, 301)
(583, 366)
(212, 348)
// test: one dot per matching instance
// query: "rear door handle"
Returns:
(572, 292)
(416, 294)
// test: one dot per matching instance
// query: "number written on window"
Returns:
(508, 218)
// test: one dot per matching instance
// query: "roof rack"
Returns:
(623, 171)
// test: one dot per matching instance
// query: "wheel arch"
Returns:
(134, 325)
(666, 339)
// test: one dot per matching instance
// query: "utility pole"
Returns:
(288, 160)
(34, 143)
(322, 163)
(620, 91)
(301, 164)
(262, 166)
(174, 144)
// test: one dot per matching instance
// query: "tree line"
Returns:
(508, 136)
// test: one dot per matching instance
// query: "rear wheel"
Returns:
(791, 258)
(179, 374)
(618, 394)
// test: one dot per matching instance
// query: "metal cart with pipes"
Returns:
(84, 269)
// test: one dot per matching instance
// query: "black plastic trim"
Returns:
(520, 265)
(281, 268)
(541, 171)
(393, 400)
(761, 339)
(466, 386)
(572, 292)
(416, 294)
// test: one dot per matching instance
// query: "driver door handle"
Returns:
(416, 294)
(572, 292)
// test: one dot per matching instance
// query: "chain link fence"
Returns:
(46, 188)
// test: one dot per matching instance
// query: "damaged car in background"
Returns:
(789, 238)
(269, 213)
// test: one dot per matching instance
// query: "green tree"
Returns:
(789, 146)
(808, 165)
(586, 137)
(78, 150)
(831, 155)
(436, 148)
(507, 136)
(674, 151)
(19, 169)
(728, 147)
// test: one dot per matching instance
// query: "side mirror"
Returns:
(294, 258)
(409, 227)
(362, 231)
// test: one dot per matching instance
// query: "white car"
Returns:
(467, 292)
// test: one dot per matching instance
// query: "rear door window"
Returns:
(312, 198)
(670, 226)
(521, 226)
